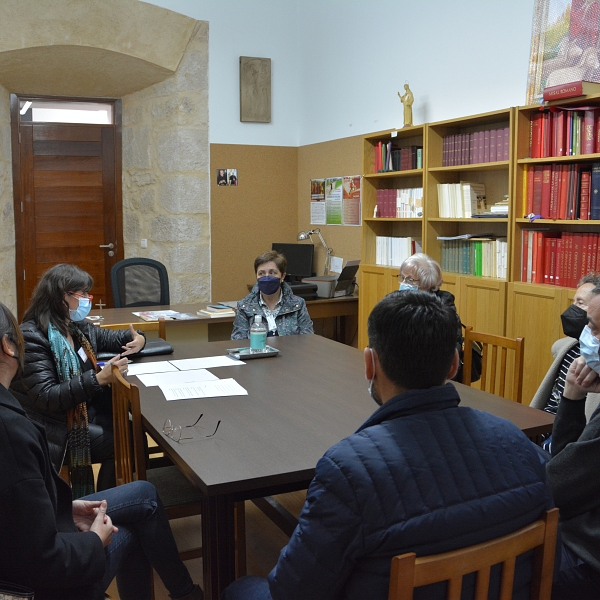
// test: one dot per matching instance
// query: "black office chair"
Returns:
(139, 282)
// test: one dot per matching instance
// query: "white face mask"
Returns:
(590, 349)
(370, 388)
(408, 286)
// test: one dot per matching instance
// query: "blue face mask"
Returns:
(589, 348)
(82, 311)
(408, 287)
(269, 284)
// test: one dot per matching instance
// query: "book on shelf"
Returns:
(475, 256)
(390, 158)
(491, 145)
(401, 203)
(565, 132)
(460, 200)
(558, 258)
(571, 90)
(393, 251)
(560, 191)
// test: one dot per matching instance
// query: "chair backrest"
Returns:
(409, 572)
(139, 282)
(159, 326)
(130, 457)
(497, 368)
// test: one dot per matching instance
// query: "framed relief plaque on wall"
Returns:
(255, 90)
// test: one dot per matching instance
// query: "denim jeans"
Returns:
(144, 541)
(248, 588)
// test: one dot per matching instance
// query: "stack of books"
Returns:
(393, 251)
(217, 310)
(461, 200)
(473, 148)
(475, 256)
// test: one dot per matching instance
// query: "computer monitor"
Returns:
(299, 259)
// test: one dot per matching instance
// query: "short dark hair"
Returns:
(271, 255)
(10, 328)
(414, 335)
(47, 301)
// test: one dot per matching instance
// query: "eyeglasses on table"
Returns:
(176, 432)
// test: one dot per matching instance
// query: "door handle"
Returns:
(111, 246)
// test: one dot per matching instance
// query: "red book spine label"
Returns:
(565, 90)
(546, 191)
(554, 191)
(558, 262)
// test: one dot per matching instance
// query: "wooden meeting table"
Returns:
(299, 404)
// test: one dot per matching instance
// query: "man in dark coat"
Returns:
(422, 474)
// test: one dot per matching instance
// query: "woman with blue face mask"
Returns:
(272, 299)
(62, 387)
(421, 272)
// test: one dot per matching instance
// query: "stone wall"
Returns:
(8, 286)
(166, 197)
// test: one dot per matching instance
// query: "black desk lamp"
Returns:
(305, 235)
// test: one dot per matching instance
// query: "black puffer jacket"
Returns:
(40, 390)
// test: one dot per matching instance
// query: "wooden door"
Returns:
(67, 192)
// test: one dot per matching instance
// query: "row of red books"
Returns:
(565, 132)
(474, 148)
(563, 191)
(558, 258)
(402, 203)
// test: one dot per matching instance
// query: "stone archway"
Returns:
(157, 62)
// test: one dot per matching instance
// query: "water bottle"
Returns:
(258, 335)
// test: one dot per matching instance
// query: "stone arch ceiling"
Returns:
(109, 48)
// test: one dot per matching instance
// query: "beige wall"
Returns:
(248, 218)
(7, 220)
(329, 159)
(166, 196)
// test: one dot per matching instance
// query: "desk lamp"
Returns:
(304, 235)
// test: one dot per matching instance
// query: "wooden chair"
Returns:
(494, 375)
(409, 572)
(179, 497)
(159, 326)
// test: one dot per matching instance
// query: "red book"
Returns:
(481, 146)
(472, 147)
(576, 259)
(554, 191)
(547, 135)
(590, 250)
(378, 158)
(558, 260)
(493, 146)
(563, 192)
(537, 189)
(536, 133)
(597, 132)
(560, 121)
(595, 263)
(500, 144)
(506, 143)
(529, 189)
(584, 203)
(524, 254)
(539, 259)
(534, 253)
(588, 141)
(486, 146)
(546, 190)
(547, 261)
(571, 90)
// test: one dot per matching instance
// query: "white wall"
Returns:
(337, 65)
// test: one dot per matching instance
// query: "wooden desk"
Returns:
(214, 329)
(298, 405)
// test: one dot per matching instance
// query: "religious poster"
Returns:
(318, 215)
(351, 206)
(333, 200)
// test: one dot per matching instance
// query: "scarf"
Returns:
(68, 367)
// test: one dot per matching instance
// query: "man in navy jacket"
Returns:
(422, 474)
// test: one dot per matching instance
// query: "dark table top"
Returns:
(299, 404)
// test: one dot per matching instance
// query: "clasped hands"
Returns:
(105, 376)
(91, 515)
(581, 380)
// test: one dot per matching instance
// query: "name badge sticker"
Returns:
(82, 354)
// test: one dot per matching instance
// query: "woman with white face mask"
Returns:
(62, 386)
(421, 272)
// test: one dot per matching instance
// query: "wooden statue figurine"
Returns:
(407, 100)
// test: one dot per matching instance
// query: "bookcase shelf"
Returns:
(501, 165)
(395, 174)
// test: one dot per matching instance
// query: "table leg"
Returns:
(218, 545)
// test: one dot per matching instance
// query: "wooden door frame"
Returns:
(20, 198)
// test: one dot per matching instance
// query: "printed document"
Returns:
(177, 377)
(203, 389)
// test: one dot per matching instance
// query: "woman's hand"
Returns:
(136, 344)
(84, 513)
(105, 376)
(102, 524)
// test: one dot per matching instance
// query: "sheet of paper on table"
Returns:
(177, 377)
(162, 366)
(203, 389)
(208, 362)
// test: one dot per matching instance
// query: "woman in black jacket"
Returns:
(62, 386)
